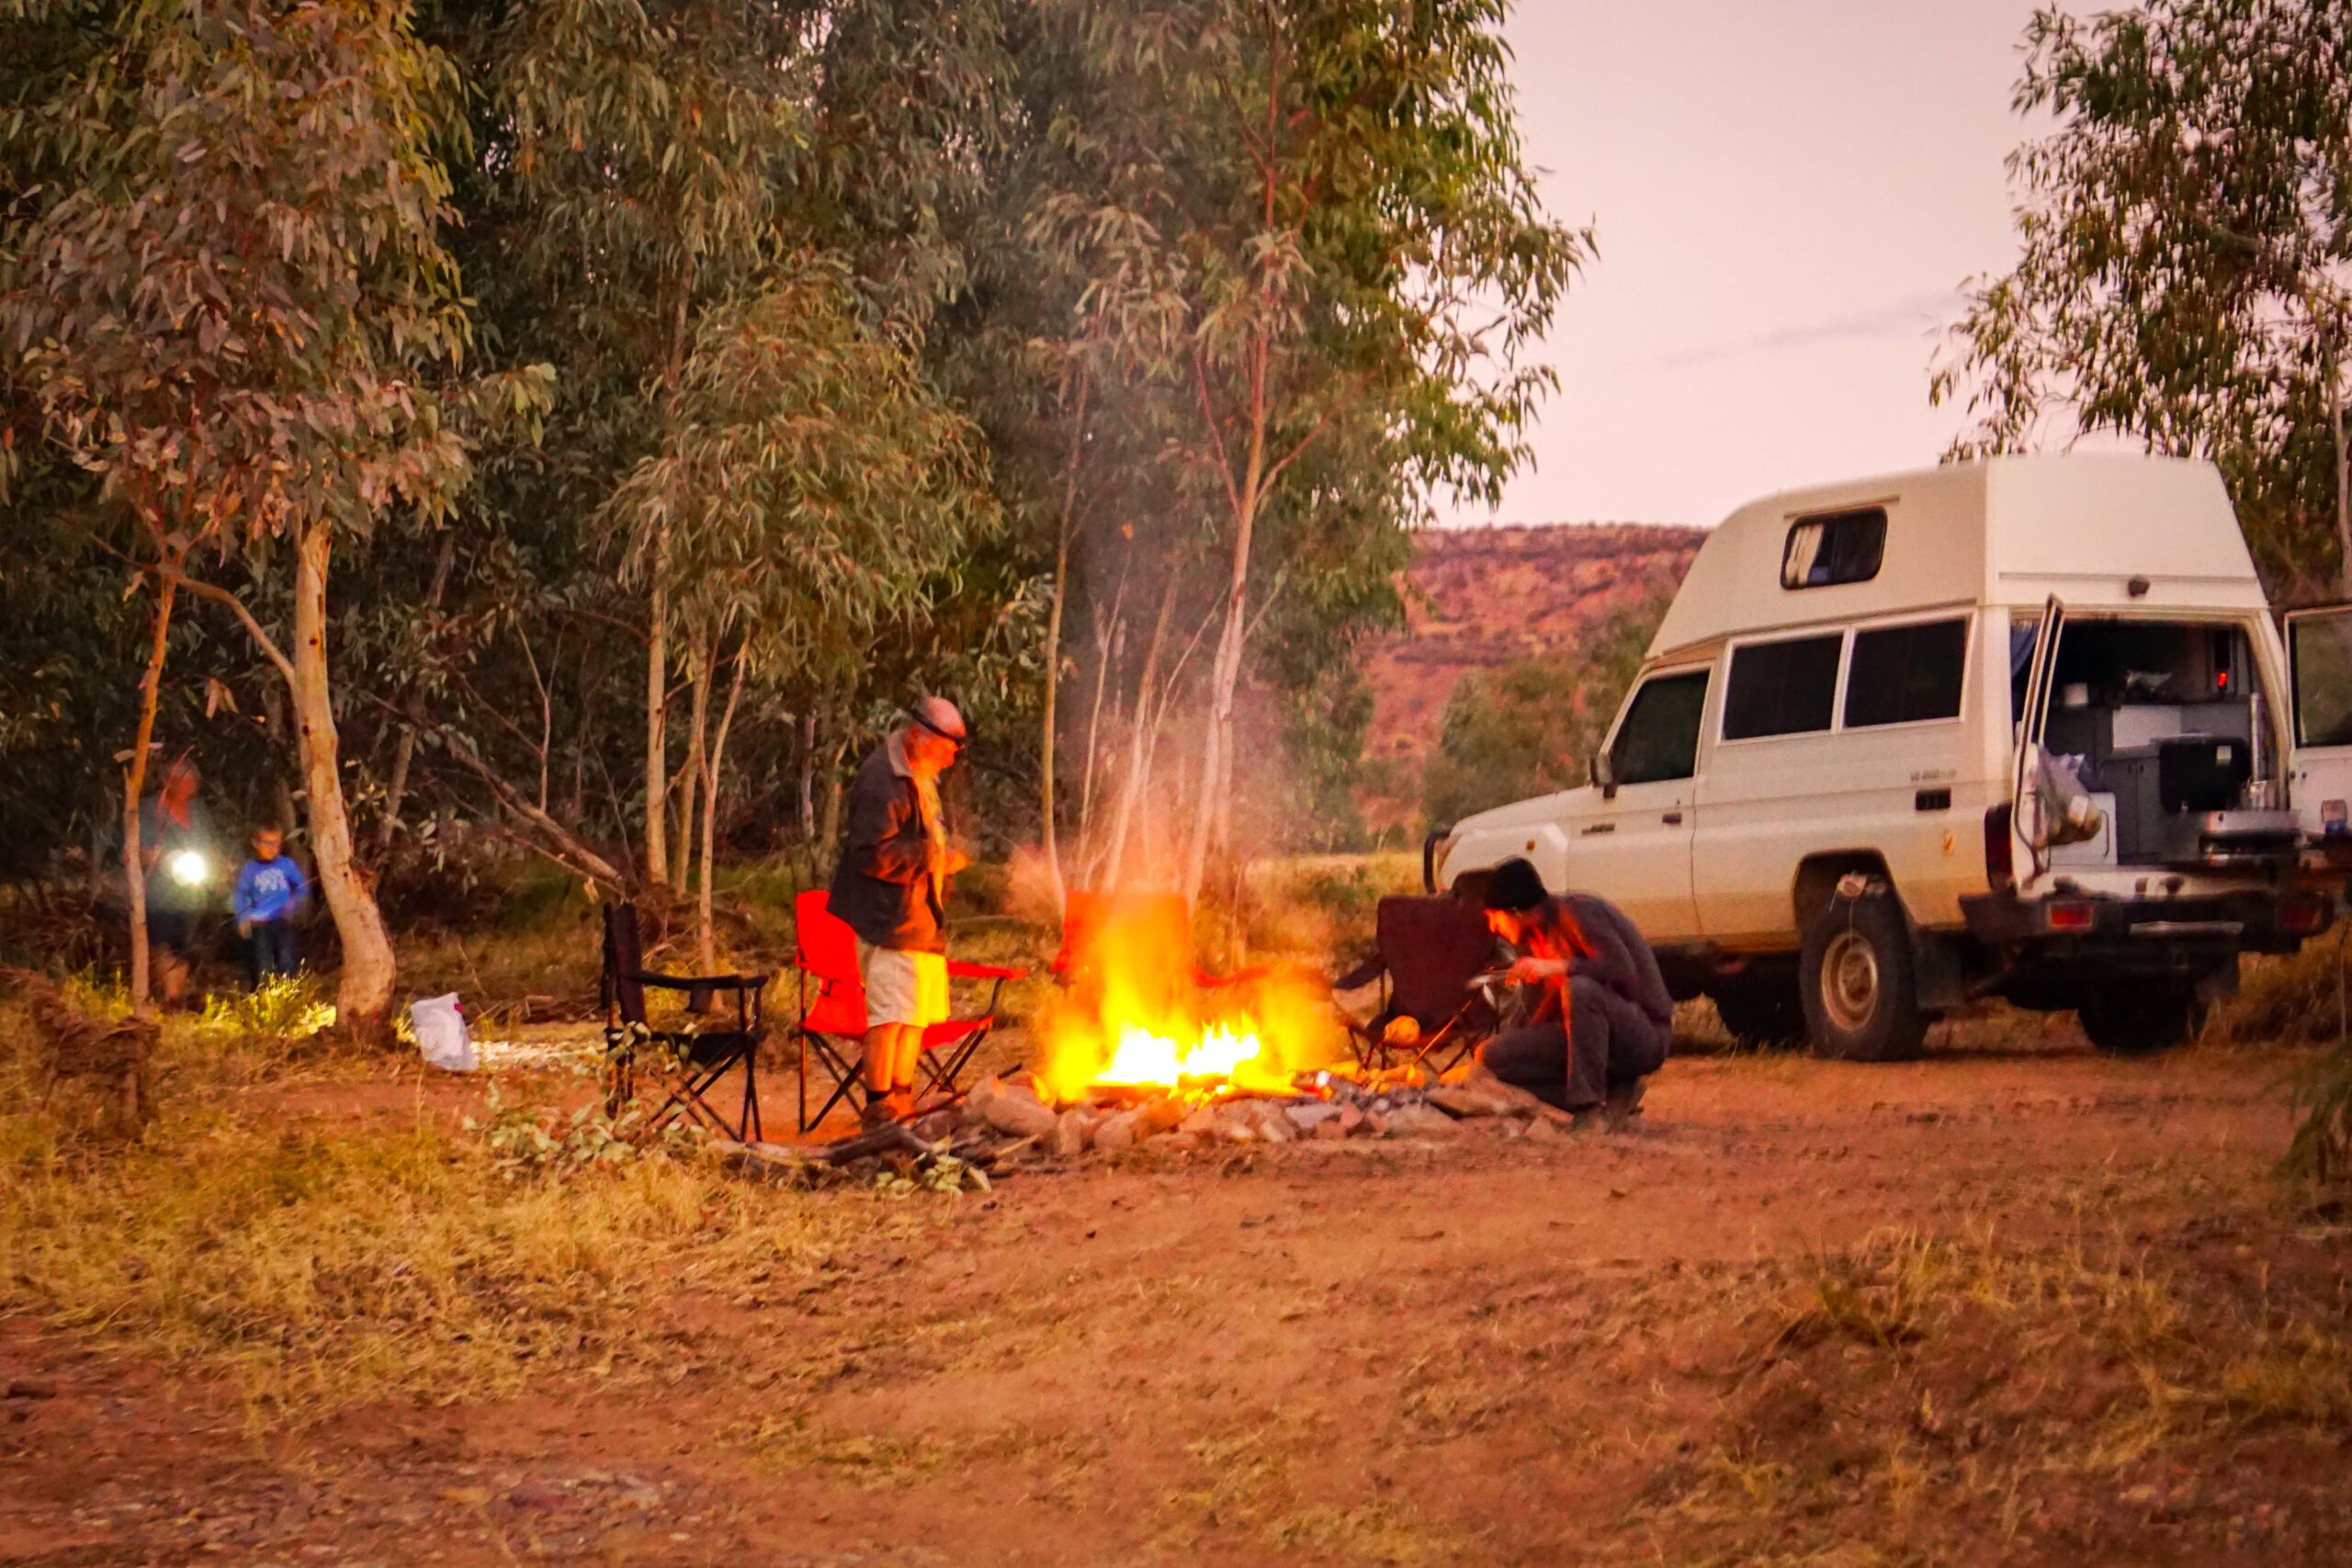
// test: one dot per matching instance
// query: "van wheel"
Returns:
(1762, 1015)
(2141, 1021)
(1861, 1001)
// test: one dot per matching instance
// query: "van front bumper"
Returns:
(2146, 930)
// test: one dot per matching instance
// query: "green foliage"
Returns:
(221, 311)
(1530, 728)
(808, 480)
(2186, 243)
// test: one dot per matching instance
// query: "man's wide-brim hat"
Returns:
(939, 716)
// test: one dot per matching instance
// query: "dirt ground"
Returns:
(2016, 1303)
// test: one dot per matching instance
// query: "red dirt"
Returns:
(1486, 1351)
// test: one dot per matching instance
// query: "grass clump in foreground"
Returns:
(320, 1266)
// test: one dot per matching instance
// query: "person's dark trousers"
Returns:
(272, 949)
(1615, 1043)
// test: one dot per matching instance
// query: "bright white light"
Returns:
(188, 868)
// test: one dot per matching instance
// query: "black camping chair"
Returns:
(1426, 952)
(688, 1062)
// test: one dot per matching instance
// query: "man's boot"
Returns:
(878, 1110)
(1624, 1101)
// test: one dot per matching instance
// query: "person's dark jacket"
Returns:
(1622, 960)
(883, 885)
(1602, 944)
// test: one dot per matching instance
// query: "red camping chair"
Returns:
(832, 1023)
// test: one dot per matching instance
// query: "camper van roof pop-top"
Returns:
(2094, 531)
(2022, 726)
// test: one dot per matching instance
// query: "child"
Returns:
(271, 890)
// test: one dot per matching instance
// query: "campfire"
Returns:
(1144, 1045)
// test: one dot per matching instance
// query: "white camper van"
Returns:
(2022, 727)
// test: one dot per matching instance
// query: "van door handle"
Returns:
(1597, 828)
(1672, 819)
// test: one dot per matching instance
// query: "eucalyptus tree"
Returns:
(2186, 276)
(236, 314)
(651, 163)
(1309, 222)
(809, 481)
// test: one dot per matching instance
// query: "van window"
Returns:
(2320, 651)
(1782, 688)
(1659, 739)
(1905, 674)
(1837, 547)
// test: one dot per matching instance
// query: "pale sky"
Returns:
(1787, 196)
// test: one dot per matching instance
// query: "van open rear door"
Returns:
(2032, 714)
(2319, 655)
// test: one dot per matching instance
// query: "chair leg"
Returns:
(845, 1077)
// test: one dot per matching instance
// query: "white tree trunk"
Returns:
(710, 775)
(657, 709)
(364, 991)
(698, 656)
(134, 787)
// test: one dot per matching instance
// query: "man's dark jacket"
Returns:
(883, 887)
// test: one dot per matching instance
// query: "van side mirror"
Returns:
(1604, 773)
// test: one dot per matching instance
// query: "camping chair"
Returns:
(832, 1024)
(690, 1062)
(1426, 952)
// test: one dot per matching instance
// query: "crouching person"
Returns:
(1606, 1017)
(891, 888)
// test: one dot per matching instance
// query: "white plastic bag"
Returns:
(441, 1033)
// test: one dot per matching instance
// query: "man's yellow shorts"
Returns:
(904, 987)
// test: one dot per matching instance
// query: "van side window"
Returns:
(1837, 547)
(1659, 739)
(1905, 674)
(1782, 688)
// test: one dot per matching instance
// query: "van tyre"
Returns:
(2140, 1021)
(1861, 999)
(1762, 1015)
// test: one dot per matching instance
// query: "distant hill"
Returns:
(1483, 597)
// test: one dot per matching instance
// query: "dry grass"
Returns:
(318, 1266)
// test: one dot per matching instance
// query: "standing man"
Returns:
(1606, 1018)
(891, 888)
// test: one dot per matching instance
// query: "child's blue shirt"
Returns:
(269, 890)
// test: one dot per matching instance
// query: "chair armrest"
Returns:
(701, 982)
(963, 971)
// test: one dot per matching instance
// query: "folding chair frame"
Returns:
(692, 1062)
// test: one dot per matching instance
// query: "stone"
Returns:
(1422, 1121)
(1160, 1114)
(1025, 1084)
(1201, 1123)
(933, 1125)
(1068, 1139)
(1351, 1120)
(1019, 1116)
(1116, 1133)
(1308, 1114)
(1236, 1122)
(1485, 1097)
(1330, 1129)
(1274, 1127)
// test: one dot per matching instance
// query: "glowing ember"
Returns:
(1220, 1058)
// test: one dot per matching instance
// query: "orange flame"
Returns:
(1134, 1018)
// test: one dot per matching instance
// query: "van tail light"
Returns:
(2000, 863)
(2073, 917)
(2302, 916)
